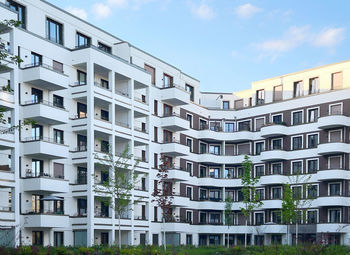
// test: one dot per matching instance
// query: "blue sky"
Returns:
(227, 44)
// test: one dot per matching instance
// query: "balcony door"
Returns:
(82, 143)
(81, 110)
(37, 204)
(37, 132)
(37, 168)
(37, 95)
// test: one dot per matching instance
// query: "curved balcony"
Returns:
(237, 137)
(175, 149)
(181, 201)
(274, 130)
(44, 76)
(214, 182)
(175, 95)
(45, 112)
(273, 155)
(273, 179)
(272, 204)
(333, 174)
(333, 148)
(333, 121)
(44, 148)
(174, 123)
(178, 174)
(332, 201)
(223, 159)
(333, 228)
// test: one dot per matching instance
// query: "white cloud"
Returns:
(80, 13)
(329, 37)
(101, 10)
(117, 3)
(203, 11)
(247, 10)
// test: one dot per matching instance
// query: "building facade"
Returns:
(89, 91)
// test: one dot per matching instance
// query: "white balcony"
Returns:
(175, 95)
(44, 148)
(181, 201)
(272, 228)
(273, 155)
(45, 77)
(333, 228)
(7, 14)
(333, 121)
(214, 182)
(333, 148)
(331, 201)
(45, 112)
(7, 138)
(175, 123)
(7, 176)
(46, 184)
(46, 221)
(273, 179)
(175, 149)
(272, 204)
(333, 174)
(177, 174)
(274, 131)
(7, 216)
(236, 137)
(6, 98)
(223, 159)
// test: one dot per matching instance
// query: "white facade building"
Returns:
(88, 90)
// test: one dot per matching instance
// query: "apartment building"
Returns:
(89, 92)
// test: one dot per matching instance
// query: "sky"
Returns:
(227, 44)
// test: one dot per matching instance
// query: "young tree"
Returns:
(116, 190)
(288, 208)
(251, 199)
(228, 217)
(163, 194)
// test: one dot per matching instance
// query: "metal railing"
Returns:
(43, 139)
(33, 65)
(97, 84)
(44, 102)
(121, 93)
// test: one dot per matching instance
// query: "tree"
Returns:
(293, 200)
(116, 189)
(228, 216)
(251, 199)
(163, 194)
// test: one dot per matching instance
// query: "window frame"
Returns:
(48, 31)
(307, 165)
(291, 166)
(291, 142)
(292, 117)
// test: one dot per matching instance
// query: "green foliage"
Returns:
(288, 205)
(228, 211)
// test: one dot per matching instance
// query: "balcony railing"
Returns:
(31, 174)
(33, 65)
(43, 139)
(44, 102)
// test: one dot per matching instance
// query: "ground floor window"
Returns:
(214, 240)
(276, 239)
(58, 239)
(155, 239)
(80, 238)
(37, 238)
(188, 239)
(104, 238)
(259, 240)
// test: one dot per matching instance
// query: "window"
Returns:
(259, 218)
(312, 217)
(189, 143)
(203, 124)
(36, 59)
(81, 77)
(104, 47)
(167, 110)
(105, 146)
(58, 136)
(57, 66)
(260, 96)
(189, 216)
(189, 192)
(297, 143)
(297, 192)
(82, 143)
(58, 101)
(335, 136)
(260, 193)
(312, 191)
(188, 239)
(337, 80)
(202, 194)
(81, 110)
(155, 107)
(189, 117)
(21, 12)
(277, 168)
(58, 239)
(37, 238)
(259, 171)
(37, 96)
(313, 115)
(82, 205)
(104, 115)
(104, 84)
(259, 147)
(297, 118)
(259, 123)
(215, 126)
(229, 127)
(214, 173)
(189, 168)
(82, 40)
(335, 109)
(202, 148)
(334, 215)
(37, 168)
(37, 132)
(167, 81)
(239, 104)
(82, 175)
(226, 105)
(297, 167)
(277, 144)
(276, 192)
(313, 85)
(54, 31)
(312, 141)
(334, 189)
(277, 119)
(215, 195)
(152, 71)
(335, 162)
(276, 217)
(312, 166)
(190, 89)
(244, 126)
(298, 89)
(239, 172)
(277, 93)
(229, 173)
(214, 149)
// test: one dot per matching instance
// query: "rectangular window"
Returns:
(155, 161)
(189, 117)
(226, 105)
(167, 110)
(259, 123)
(229, 127)
(81, 77)
(313, 115)
(189, 168)
(82, 142)
(334, 215)
(215, 149)
(214, 173)
(37, 168)
(334, 189)
(259, 147)
(277, 93)
(277, 168)
(244, 126)
(81, 110)
(203, 125)
(297, 143)
(58, 136)
(297, 192)
(190, 89)
(167, 81)
(312, 217)
(58, 101)
(277, 119)
(313, 85)
(297, 118)
(312, 141)
(202, 148)
(104, 115)
(229, 173)
(37, 238)
(276, 192)
(297, 167)
(20, 9)
(104, 47)
(335, 109)
(54, 31)
(259, 218)
(36, 59)
(37, 132)
(335, 162)
(277, 144)
(298, 89)
(82, 40)
(238, 104)
(104, 84)
(260, 97)
(312, 166)
(57, 66)
(337, 80)
(189, 144)
(156, 134)
(312, 191)
(276, 217)
(259, 171)
(58, 239)
(152, 71)
(82, 175)
(189, 192)
(155, 107)
(261, 194)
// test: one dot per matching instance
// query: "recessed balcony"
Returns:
(175, 123)
(333, 148)
(45, 112)
(274, 130)
(175, 95)
(333, 121)
(46, 220)
(44, 147)
(45, 183)
(175, 149)
(333, 174)
(273, 155)
(45, 77)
